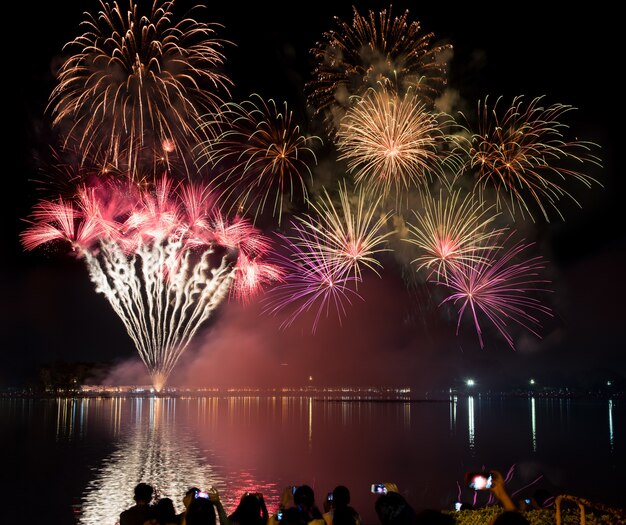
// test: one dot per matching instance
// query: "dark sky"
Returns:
(397, 337)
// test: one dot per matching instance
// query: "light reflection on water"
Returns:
(154, 451)
(240, 444)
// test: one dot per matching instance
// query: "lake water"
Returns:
(77, 460)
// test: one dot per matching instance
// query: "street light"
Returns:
(470, 382)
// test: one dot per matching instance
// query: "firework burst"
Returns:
(451, 232)
(158, 261)
(498, 287)
(312, 279)
(134, 89)
(522, 154)
(262, 153)
(377, 48)
(352, 233)
(391, 142)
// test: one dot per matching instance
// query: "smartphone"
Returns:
(279, 515)
(329, 497)
(479, 480)
(204, 495)
(293, 489)
(379, 488)
(527, 501)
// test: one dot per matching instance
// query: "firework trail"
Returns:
(158, 264)
(312, 278)
(451, 232)
(497, 287)
(350, 234)
(374, 49)
(523, 155)
(262, 154)
(135, 86)
(391, 142)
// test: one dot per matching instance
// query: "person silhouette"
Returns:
(141, 511)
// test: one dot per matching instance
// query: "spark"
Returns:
(523, 155)
(351, 234)
(263, 155)
(135, 86)
(160, 264)
(498, 288)
(375, 48)
(451, 232)
(391, 143)
(311, 280)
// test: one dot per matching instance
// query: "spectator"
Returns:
(393, 509)
(187, 499)
(304, 500)
(141, 511)
(250, 511)
(340, 511)
(164, 512)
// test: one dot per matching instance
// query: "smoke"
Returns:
(127, 373)
(373, 346)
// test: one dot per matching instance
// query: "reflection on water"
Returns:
(453, 403)
(470, 424)
(239, 443)
(611, 440)
(533, 423)
(154, 451)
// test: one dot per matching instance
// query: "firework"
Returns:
(391, 142)
(375, 49)
(262, 154)
(136, 85)
(252, 276)
(522, 154)
(312, 279)
(158, 262)
(451, 232)
(350, 234)
(497, 287)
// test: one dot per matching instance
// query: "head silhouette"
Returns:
(143, 493)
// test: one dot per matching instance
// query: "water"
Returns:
(77, 460)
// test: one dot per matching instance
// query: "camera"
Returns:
(479, 480)
(379, 488)
(201, 494)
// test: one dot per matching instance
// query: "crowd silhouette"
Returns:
(298, 507)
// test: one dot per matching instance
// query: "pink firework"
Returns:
(312, 280)
(497, 287)
(252, 276)
(153, 255)
(60, 221)
(240, 234)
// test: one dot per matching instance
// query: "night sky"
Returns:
(395, 336)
